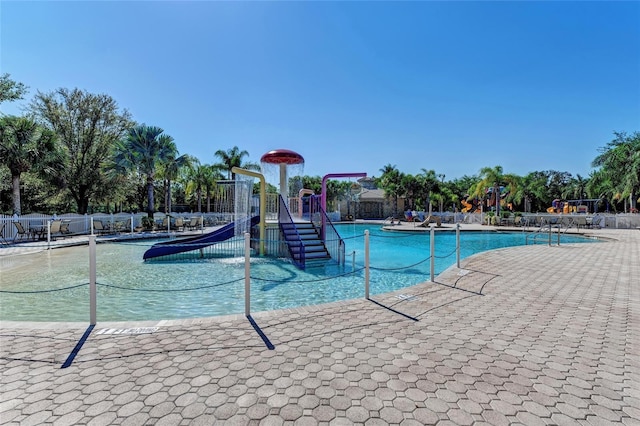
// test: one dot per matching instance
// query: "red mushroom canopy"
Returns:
(282, 156)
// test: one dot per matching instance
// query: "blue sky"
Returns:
(352, 86)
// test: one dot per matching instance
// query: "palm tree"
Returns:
(494, 178)
(390, 181)
(429, 181)
(171, 170)
(575, 189)
(197, 181)
(144, 149)
(620, 161)
(25, 145)
(600, 186)
(233, 158)
(211, 176)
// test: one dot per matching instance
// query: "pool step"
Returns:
(303, 239)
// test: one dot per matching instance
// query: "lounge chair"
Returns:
(54, 229)
(99, 227)
(194, 223)
(165, 224)
(391, 221)
(2, 240)
(178, 225)
(64, 227)
(21, 232)
(431, 219)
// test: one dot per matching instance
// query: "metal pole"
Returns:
(549, 233)
(432, 237)
(92, 280)
(91, 226)
(247, 274)
(48, 235)
(457, 245)
(366, 264)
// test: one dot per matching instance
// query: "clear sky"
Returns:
(351, 86)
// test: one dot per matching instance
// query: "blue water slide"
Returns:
(198, 242)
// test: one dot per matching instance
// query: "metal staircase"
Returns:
(304, 242)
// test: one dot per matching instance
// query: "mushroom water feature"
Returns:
(285, 161)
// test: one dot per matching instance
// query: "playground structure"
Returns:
(572, 206)
(308, 240)
(470, 207)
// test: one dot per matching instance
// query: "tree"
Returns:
(197, 181)
(11, 90)
(575, 189)
(211, 176)
(390, 182)
(494, 178)
(233, 158)
(460, 187)
(25, 145)
(600, 186)
(429, 182)
(171, 167)
(411, 190)
(144, 149)
(619, 160)
(88, 126)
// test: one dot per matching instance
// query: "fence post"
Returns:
(432, 249)
(92, 280)
(366, 264)
(458, 245)
(247, 274)
(48, 235)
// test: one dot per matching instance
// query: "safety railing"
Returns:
(332, 240)
(108, 288)
(291, 236)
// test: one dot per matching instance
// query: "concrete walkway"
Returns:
(528, 335)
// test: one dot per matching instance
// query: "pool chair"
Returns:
(431, 219)
(178, 224)
(194, 223)
(2, 240)
(99, 227)
(54, 229)
(21, 232)
(64, 227)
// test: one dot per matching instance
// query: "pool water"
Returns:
(52, 286)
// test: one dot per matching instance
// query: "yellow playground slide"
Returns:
(467, 206)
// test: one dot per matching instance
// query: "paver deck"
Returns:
(528, 335)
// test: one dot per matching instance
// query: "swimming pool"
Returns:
(130, 289)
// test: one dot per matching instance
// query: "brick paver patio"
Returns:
(529, 335)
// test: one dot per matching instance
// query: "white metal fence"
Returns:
(76, 224)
